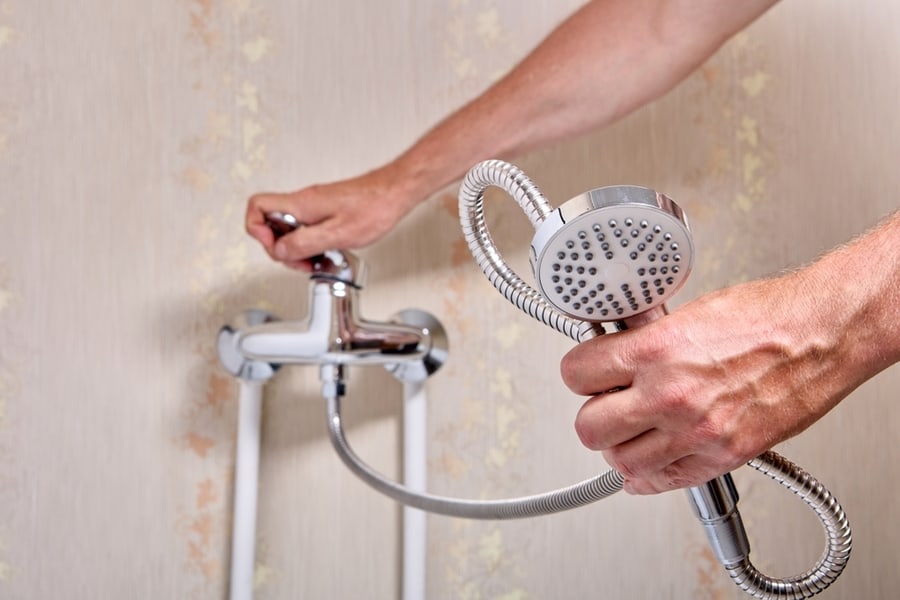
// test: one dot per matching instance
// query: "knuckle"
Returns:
(710, 430)
(735, 450)
(627, 468)
(674, 397)
(674, 477)
(731, 447)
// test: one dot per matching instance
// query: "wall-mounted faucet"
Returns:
(577, 293)
(412, 345)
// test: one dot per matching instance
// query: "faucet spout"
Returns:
(291, 342)
(333, 334)
(412, 345)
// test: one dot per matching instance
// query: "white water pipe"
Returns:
(414, 476)
(246, 486)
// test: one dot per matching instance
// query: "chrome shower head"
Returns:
(612, 253)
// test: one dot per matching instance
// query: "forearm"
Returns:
(606, 60)
(856, 290)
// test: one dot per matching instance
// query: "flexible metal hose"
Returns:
(536, 208)
(514, 182)
(837, 530)
(564, 499)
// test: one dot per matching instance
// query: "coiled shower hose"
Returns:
(743, 573)
(519, 186)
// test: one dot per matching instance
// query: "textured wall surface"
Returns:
(130, 135)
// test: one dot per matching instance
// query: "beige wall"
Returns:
(130, 134)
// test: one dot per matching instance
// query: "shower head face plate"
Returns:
(612, 253)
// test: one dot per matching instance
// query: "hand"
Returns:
(343, 215)
(713, 384)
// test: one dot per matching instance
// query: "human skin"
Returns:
(732, 373)
(722, 378)
(606, 60)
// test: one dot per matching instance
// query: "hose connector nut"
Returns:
(715, 504)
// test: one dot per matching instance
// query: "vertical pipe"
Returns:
(246, 485)
(414, 477)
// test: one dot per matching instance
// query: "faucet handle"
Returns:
(282, 223)
(340, 265)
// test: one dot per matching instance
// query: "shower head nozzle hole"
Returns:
(616, 257)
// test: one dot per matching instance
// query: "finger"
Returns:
(688, 471)
(599, 364)
(294, 248)
(646, 455)
(257, 225)
(300, 265)
(609, 419)
(255, 222)
(311, 240)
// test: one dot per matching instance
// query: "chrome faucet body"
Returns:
(412, 345)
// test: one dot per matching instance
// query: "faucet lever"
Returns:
(339, 265)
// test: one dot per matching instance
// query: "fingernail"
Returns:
(281, 251)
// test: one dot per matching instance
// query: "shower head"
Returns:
(612, 253)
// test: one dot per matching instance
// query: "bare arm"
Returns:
(730, 374)
(604, 61)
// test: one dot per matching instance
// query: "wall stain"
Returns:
(469, 29)
(482, 564)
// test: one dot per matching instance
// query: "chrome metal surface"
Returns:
(227, 345)
(834, 521)
(413, 370)
(339, 265)
(581, 494)
(282, 223)
(529, 198)
(334, 264)
(412, 347)
(715, 503)
(612, 253)
(575, 221)
(334, 333)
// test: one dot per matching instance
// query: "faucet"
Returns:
(411, 345)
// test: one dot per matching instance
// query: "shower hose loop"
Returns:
(518, 292)
(515, 183)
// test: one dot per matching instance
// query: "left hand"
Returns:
(343, 215)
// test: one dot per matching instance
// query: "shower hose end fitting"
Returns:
(715, 504)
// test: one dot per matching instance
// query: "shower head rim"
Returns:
(623, 214)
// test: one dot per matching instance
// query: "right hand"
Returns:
(345, 214)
